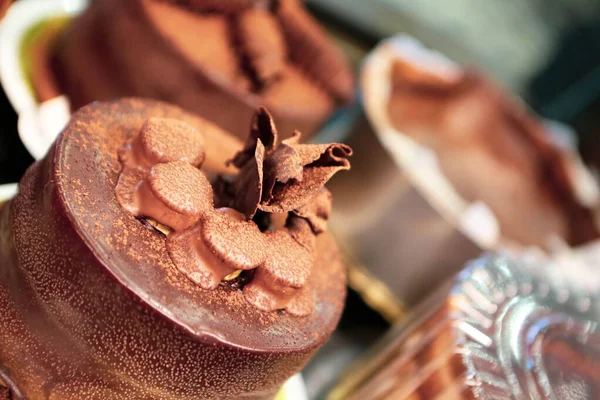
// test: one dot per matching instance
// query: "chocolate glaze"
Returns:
(219, 61)
(93, 307)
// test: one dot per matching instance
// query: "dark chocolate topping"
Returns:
(292, 174)
(211, 245)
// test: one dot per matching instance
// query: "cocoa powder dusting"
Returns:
(214, 245)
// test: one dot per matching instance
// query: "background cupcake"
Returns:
(218, 59)
(446, 165)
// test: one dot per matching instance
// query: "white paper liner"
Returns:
(8, 191)
(420, 164)
(39, 124)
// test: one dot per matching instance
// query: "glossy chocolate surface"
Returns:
(93, 306)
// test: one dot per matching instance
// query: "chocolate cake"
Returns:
(492, 150)
(136, 264)
(220, 60)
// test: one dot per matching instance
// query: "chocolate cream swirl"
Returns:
(254, 231)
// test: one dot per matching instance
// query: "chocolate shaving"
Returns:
(250, 182)
(324, 162)
(317, 211)
(292, 173)
(211, 246)
(262, 128)
(291, 196)
(281, 167)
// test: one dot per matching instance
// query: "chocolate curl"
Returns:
(311, 49)
(292, 173)
(263, 43)
(325, 161)
(249, 184)
(317, 211)
(283, 166)
(262, 128)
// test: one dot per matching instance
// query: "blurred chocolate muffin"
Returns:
(447, 165)
(219, 59)
(492, 150)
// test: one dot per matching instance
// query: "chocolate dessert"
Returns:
(492, 150)
(447, 166)
(143, 258)
(3, 7)
(219, 59)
